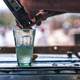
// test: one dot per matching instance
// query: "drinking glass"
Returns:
(24, 41)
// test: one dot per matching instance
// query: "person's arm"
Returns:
(53, 5)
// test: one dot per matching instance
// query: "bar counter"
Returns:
(9, 69)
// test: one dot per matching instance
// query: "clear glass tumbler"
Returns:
(24, 41)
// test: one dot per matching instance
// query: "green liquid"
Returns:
(24, 55)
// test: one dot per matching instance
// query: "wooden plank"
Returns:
(47, 49)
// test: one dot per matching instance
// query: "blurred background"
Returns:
(55, 30)
(7, 22)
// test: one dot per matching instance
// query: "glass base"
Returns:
(24, 64)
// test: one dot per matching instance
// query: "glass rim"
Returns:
(23, 29)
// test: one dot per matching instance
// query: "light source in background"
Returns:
(6, 17)
(3, 6)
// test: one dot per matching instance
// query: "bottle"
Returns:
(18, 11)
